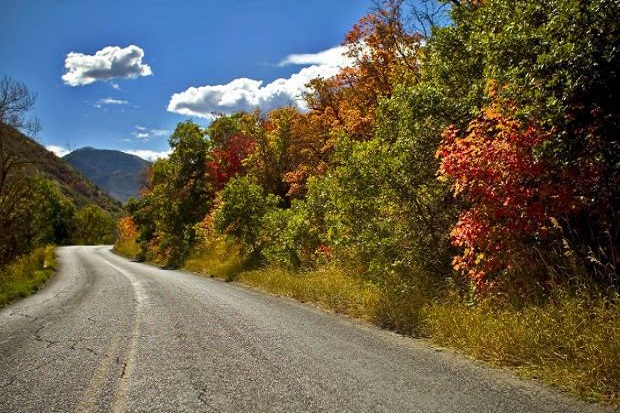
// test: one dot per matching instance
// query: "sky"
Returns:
(121, 74)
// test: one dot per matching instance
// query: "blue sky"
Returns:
(121, 74)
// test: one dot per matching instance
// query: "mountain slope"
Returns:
(118, 173)
(71, 183)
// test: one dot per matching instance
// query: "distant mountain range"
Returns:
(119, 174)
(70, 182)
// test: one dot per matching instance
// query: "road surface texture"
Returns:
(108, 334)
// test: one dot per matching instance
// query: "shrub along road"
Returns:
(107, 334)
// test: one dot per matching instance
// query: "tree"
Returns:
(16, 192)
(178, 195)
(240, 213)
(552, 64)
(92, 225)
(15, 103)
(231, 146)
(271, 158)
(384, 54)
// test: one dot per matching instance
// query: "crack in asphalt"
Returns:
(28, 316)
(75, 348)
(11, 380)
(38, 337)
(203, 397)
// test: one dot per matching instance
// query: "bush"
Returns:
(291, 240)
(243, 206)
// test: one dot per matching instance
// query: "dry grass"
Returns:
(128, 248)
(26, 275)
(328, 287)
(572, 341)
(217, 259)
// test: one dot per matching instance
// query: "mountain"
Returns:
(118, 173)
(71, 183)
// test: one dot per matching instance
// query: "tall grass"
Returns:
(127, 247)
(25, 275)
(572, 340)
(216, 258)
(329, 287)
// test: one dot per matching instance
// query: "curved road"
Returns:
(108, 334)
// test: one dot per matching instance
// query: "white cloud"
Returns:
(148, 154)
(108, 63)
(245, 94)
(58, 150)
(144, 133)
(330, 57)
(109, 101)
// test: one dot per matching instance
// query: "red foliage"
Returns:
(227, 161)
(512, 194)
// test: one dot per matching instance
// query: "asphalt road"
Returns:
(107, 334)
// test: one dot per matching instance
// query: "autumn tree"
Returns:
(178, 195)
(231, 145)
(16, 187)
(553, 64)
(383, 54)
(92, 225)
(271, 158)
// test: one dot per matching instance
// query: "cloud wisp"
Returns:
(145, 134)
(109, 63)
(330, 57)
(245, 94)
(109, 101)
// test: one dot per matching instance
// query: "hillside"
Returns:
(71, 183)
(118, 173)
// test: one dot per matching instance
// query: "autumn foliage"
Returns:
(494, 168)
(227, 160)
(522, 137)
(385, 55)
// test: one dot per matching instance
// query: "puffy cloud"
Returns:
(245, 94)
(147, 154)
(58, 150)
(108, 63)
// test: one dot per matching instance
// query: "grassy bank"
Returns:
(571, 340)
(26, 275)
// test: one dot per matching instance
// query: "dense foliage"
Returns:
(480, 153)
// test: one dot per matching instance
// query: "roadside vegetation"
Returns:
(459, 182)
(26, 275)
(42, 200)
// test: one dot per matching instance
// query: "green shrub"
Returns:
(241, 211)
